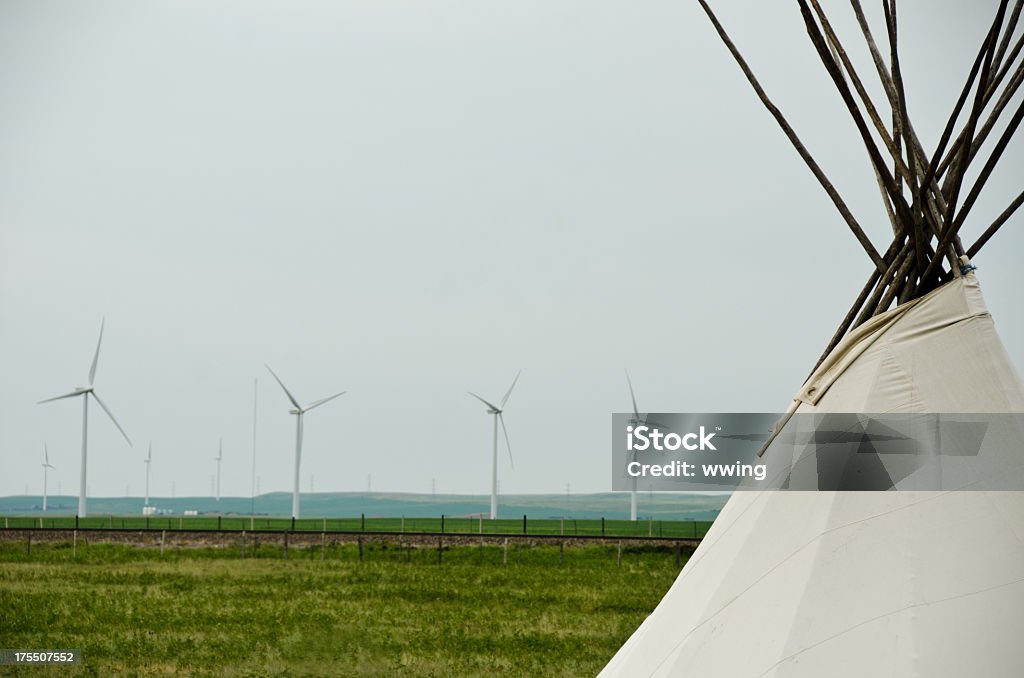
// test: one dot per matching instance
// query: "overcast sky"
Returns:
(409, 200)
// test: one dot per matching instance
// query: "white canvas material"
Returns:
(853, 584)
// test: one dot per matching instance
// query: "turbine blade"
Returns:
(61, 397)
(508, 445)
(149, 457)
(46, 454)
(96, 356)
(285, 388)
(636, 412)
(111, 415)
(493, 407)
(509, 391)
(320, 402)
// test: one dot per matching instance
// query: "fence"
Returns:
(74, 544)
(650, 528)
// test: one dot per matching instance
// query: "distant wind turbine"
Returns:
(85, 392)
(46, 467)
(497, 411)
(635, 420)
(148, 460)
(220, 457)
(299, 411)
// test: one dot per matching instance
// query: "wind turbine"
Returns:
(85, 392)
(148, 460)
(220, 456)
(497, 411)
(634, 421)
(46, 467)
(299, 411)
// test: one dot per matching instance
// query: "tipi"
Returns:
(876, 583)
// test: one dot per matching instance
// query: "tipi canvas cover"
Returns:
(902, 583)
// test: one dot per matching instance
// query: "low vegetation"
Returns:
(532, 610)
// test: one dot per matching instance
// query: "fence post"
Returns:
(293, 523)
(618, 559)
(602, 530)
(562, 526)
(163, 536)
(561, 553)
(504, 556)
(442, 523)
(360, 540)
(323, 541)
(243, 541)
(76, 521)
(524, 523)
(286, 541)
(218, 522)
(362, 522)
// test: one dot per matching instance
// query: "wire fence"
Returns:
(104, 545)
(568, 527)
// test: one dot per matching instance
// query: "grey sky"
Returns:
(409, 200)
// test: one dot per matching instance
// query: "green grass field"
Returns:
(453, 525)
(209, 612)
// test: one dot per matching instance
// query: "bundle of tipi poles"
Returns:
(925, 194)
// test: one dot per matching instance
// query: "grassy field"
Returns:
(453, 525)
(204, 612)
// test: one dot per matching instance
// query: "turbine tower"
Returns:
(635, 420)
(46, 467)
(497, 411)
(85, 392)
(299, 411)
(219, 458)
(148, 460)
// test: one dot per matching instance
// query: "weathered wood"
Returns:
(847, 320)
(1001, 103)
(995, 225)
(795, 141)
(916, 151)
(818, 40)
(871, 307)
(1004, 139)
(1011, 24)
